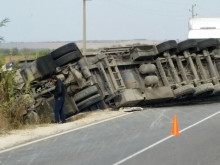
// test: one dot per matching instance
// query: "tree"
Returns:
(3, 23)
(14, 51)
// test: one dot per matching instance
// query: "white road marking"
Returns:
(62, 133)
(163, 140)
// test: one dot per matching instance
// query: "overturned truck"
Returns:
(124, 76)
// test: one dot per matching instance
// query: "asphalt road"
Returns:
(139, 138)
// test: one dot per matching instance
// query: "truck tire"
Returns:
(46, 65)
(88, 102)
(184, 91)
(67, 58)
(209, 44)
(204, 89)
(170, 46)
(64, 50)
(85, 93)
(190, 45)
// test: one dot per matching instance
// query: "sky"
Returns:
(61, 20)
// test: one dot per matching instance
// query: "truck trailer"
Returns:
(124, 76)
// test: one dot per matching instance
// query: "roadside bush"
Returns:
(12, 113)
(46, 117)
(3, 122)
(11, 108)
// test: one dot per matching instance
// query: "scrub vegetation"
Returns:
(11, 108)
(24, 52)
(3, 23)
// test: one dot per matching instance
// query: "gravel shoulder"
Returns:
(17, 137)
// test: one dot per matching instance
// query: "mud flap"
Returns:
(160, 93)
(129, 97)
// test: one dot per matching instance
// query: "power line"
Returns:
(168, 2)
(143, 9)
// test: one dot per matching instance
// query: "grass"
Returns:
(3, 123)
(18, 58)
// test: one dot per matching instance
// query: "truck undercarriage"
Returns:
(124, 76)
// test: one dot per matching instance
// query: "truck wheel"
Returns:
(184, 91)
(204, 89)
(46, 65)
(67, 58)
(209, 44)
(64, 50)
(85, 93)
(90, 101)
(170, 46)
(190, 45)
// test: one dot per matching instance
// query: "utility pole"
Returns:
(192, 11)
(84, 26)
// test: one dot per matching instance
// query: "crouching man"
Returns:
(59, 97)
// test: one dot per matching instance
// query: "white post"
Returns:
(84, 27)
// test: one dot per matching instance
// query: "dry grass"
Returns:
(3, 123)
(18, 58)
(11, 116)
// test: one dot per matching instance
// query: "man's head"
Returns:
(54, 78)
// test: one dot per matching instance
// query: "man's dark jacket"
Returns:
(60, 90)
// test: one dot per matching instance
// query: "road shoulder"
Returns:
(19, 137)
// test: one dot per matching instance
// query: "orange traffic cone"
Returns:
(175, 129)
